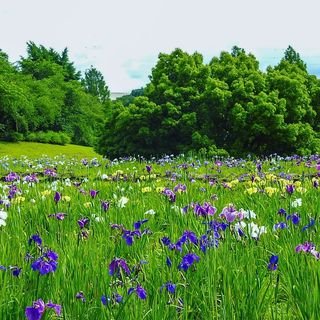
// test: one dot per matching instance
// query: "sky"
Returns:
(122, 38)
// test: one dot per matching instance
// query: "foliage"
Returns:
(44, 100)
(95, 85)
(227, 104)
(49, 137)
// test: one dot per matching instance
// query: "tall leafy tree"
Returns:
(42, 63)
(95, 84)
(236, 81)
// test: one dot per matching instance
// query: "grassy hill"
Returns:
(34, 150)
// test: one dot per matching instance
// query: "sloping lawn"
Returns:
(34, 150)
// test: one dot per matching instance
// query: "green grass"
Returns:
(36, 150)
(230, 281)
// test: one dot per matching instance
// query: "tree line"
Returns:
(44, 98)
(226, 106)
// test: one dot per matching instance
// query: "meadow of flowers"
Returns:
(171, 238)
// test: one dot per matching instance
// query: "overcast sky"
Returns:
(122, 38)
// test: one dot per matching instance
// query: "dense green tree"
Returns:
(229, 103)
(94, 84)
(15, 110)
(42, 63)
(236, 81)
(44, 99)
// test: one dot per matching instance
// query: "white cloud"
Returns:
(118, 36)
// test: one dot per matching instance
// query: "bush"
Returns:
(13, 136)
(51, 137)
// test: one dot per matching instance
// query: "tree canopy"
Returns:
(226, 106)
(43, 98)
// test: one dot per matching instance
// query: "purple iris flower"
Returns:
(118, 264)
(47, 263)
(93, 193)
(13, 191)
(280, 225)
(309, 225)
(171, 287)
(80, 296)
(116, 297)
(282, 212)
(166, 241)
(169, 194)
(55, 307)
(38, 308)
(50, 172)
(36, 238)
(229, 213)
(140, 292)
(148, 168)
(208, 242)
(305, 247)
(295, 218)
(205, 210)
(12, 176)
(180, 187)
(129, 235)
(139, 223)
(57, 197)
(105, 300)
(83, 222)
(32, 178)
(84, 162)
(36, 311)
(188, 236)
(308, 247)
(217, 226)
(15, 271)
(259, 166)
(290, 188)
(59, 216)
(273, 263)
(188, 260)
(105, 205)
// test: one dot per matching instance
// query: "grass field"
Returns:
(36, 150)
(176, 238)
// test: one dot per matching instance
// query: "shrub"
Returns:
(60, 138)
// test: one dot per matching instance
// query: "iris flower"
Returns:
(187, 261)
(273, 263)
(47, 263)
(36, 238)
(118, 264)
(204, 210)
(36, 311)
(57, 197)
(139, 291)
(171, 287)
